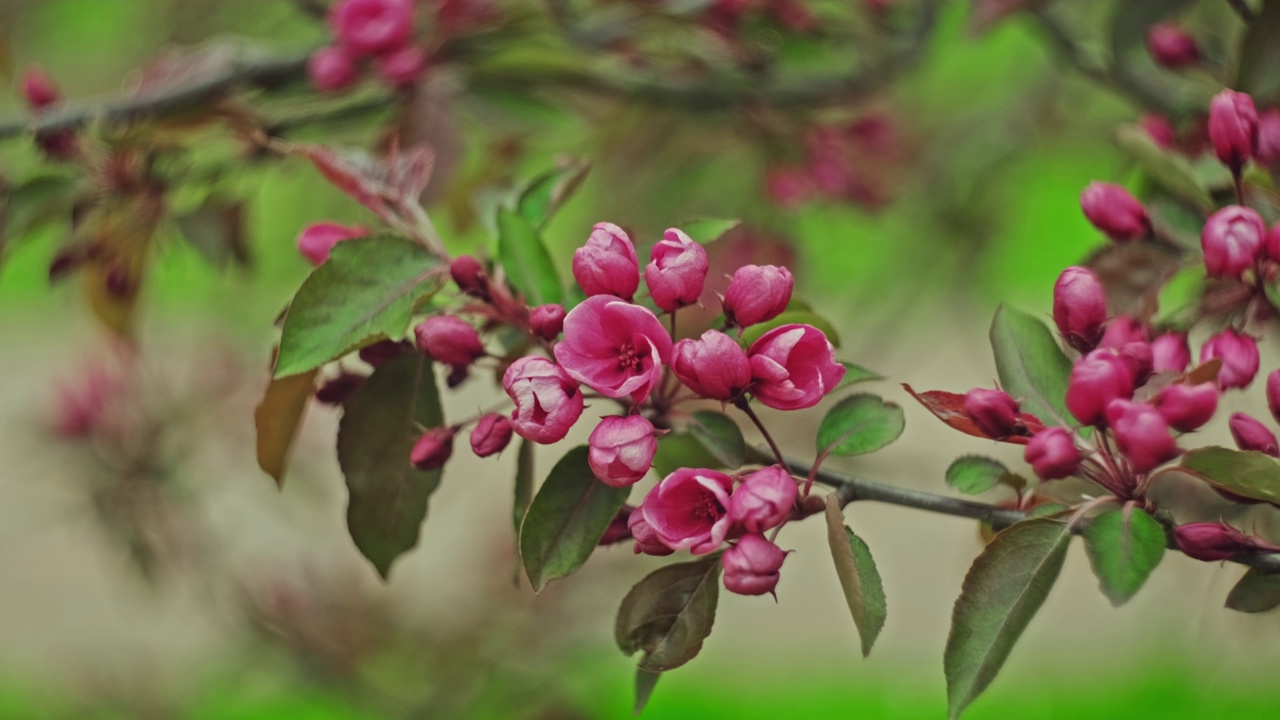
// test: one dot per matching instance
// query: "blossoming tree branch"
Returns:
(666, 375)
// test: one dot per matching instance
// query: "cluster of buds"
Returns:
(378, 31)
(835, 165)
(41, 94)
(724, 16)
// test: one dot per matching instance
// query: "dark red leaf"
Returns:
(949, 408)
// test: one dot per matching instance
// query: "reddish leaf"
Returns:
(277, 418)
(949, 408)
(376, 183)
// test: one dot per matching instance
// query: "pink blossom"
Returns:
(548, 401)
(647, 541)
(1232, 241)
(751, 566)
(1141, 433)
(469, 275)
(491, 435)
(1097, 379)
(546, 321)
(714, 366)
(1239, 354)
(402, 67)
(1273, 394)
(1171, 46)
(1052, 454)
(689, 509)
(793, 367)
(1267, 152)
(1210, 541)
(757, 293)
(331, 68)
(448, 339)
(433, 449)
(1159, 130)
(676, 271)
(607, 264)
(616, 348)
(1170, 353)
(316, 240)
(1079, 308)
(1233, 128)
(1114, 211)
(372, 27)
(1187, 407)
(763, 500)
(993, 411)
(38, 89)
(1121, 331)
(1250, 434)
(621, 450)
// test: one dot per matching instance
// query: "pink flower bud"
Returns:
(546, 321)
(1052, 454)
(1250, 434)
(607, 264)
(1159, 130)
(1187, 407)
(372, 27)
(1239, 353)
(449, 340)
(331, 68)
(751, 566)
(317, 239)
(433, 449)
(993, 411)
(384, 350)
(1272, 242)
(621, 450)
(1171, 46)
(647, 541)
(1170, 353)
(1233, 128)
(619, 528)
(1210, 541)
(763, 500)
(714, 366)
(490, 435)
(1139, 358)
(402, 67)
(1096, 380)
(1267, 153)
(689, 509)
(336, 390)
(38, 89)
(793, 367)
(757, 293)
(468, 274)
(1141, 433)
(1232, 241)
(676, 271)
(548, 401)
(1273, 394)
(1079, 308)
(615, 347)
(1114, 211)
(787, 187)
(1121, 331)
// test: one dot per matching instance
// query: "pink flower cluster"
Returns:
(835, 162)
(379, 31)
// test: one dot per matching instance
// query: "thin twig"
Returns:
(1242, 9)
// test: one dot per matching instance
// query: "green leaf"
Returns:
(682, 449)
(1132, 20)
(216, 230)
(1171, 171)
(707, 231)
(367, 289)
(645, 681)
(806, 317)
(975, 474)
(526, 261)
(854, 374)
(276, 420)
(863, 590)
(1247, 474)
(35, 202)
(387, 495)
(669, 613)
(566, 519)
(1259, 73)
(1124, 546)
(1031, 366)
(550, 190)
(1004, 588)
(720, 435)
(524, 483)
(860, 424)
(1255, 593)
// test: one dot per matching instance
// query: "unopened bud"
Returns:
(1187, 407)
(546, 321)
(1097, 379)
(1114, 211)
(1141, 433)
(757, 293)
(469, 275)
(1052, 454)
(1232, 241)
(1250, 434)
(993, 411)
(751, 566)
(1239, 355)
(1233, 128)
(1079, 308)
(433, 449)
(491, 434)
(449, 340)
(1171, 46)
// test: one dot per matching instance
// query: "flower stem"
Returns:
(745, 407)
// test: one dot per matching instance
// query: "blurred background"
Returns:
(171, 578)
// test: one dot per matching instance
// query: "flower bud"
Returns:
(763, 500)
(469, 275)
(647, 541)
(793, 367)
(331, 68)
(1121, 331)
(449, 340)
(621, 450)
(1273, 394)
(384, 350)
(38, 89)
(1171, 46)
(401, 67)
(1139, 358)
(993, 411)
(786, 187)
(316, 240)
(1187, 407)
(676, 271)
(372, 27)
(618, 529)
(1272, 242)
(1079, 308)
(1267, 153)
(1239, 353)
(1141, 433)
(757, 293)
(1052, 454)
(337, 390)
(751, 566)
(1159, 130)
(433, 449)
(1232, 241)
(490, 435)
(1233, 128)
(1097, 379)
(1114, 211)
(714, 366)
(548, 401)
(546, 321)
(1170, 353)
(1210, 541)
(607, 264)
(1250, 434)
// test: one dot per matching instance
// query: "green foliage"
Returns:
(860, 424)
(544, 195)
(1124, 546)
(1031, 366)
(523, 493)
(368, 289)
(276, 420)
(526, 261)
(859, 579)
(645, 682)
(1172, 172)
(854, 374)
(669, 613)
(1132, 20)
(975, 474)
(720, 436)
(682, 449)
(1259, 70)
(708, 230)
(1250, 474)
(1255, 593)
(804, 317)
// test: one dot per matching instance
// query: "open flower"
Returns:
(793, 366)
(548, 401)
(689, 509)
(616, 348)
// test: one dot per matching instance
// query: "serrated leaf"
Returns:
(1259, 73)
(669, 613)
(387, 495)
(645, 681)
(566, 519)
(1132, 20)
(1003, 590)
(525, 260)
(975, 474)
(1172, 172)
(708, 230)
(277, 418)
(720, 435)
(1030, 365)
(860, 424)
(1253, 475)
(790, 317)
(524, 483)
(1124, 546)
(859, 579)
(854, 374)
(367, 289)
(1255, 593)
(539, 201)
